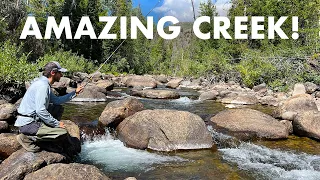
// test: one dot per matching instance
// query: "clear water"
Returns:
(295, 158)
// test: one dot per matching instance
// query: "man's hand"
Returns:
(79, 89)
(61, 125)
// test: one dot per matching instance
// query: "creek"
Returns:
(294, 158)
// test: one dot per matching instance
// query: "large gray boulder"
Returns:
(92, 93)
(174, 83)
(116, 111)
(249, 123)
(8, 144)
(164, 130)
(307, 124)
(21, 163)
(289, 108)
(6, 111)
(156, 94)
(141, 82)
(68, 172)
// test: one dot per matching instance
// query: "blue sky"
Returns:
(181, 9)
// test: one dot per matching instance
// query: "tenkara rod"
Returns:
(116, 49)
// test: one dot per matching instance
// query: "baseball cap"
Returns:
(54, 65)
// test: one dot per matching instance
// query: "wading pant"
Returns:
(46, 133)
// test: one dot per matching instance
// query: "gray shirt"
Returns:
(36, 101)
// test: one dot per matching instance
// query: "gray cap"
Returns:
(54, 65)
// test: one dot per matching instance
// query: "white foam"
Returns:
(114, 156)
(184, 100)
(270, 163)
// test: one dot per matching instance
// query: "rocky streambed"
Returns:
(155, 127)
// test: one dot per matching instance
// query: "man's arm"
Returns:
(57, 100)
(41, 97)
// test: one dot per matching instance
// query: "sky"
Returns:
(181, 9)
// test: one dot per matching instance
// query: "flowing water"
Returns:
(294, 158)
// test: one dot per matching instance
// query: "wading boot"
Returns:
(28, 143)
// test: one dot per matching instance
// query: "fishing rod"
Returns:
(90, 79)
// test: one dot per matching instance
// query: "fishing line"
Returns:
(90, 79)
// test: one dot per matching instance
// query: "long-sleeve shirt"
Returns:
(36, 101)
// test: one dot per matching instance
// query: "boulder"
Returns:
(307, 124)
(6, 111)
(288, 124)
(164, 130)
(92, 92)
(21, 163)
(8, 144)
(74, 133)
(106, 84)
(2, 101)
(210, 95)
(3, 126)
(116, 111)
(68, 171)
(174, 83)
(156, 94)
(80, 76)
(243, 99)
(249, 123)
(259, 87)
(161, 78)
(96, 76)
(298, 89)
(289, 108)
(141, 81)
(310, 87)
(63, 83)
(119, 81)
(269, 100)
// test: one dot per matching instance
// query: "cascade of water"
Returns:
(110, 154)
(264, 162)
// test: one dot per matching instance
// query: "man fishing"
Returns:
(40, 111)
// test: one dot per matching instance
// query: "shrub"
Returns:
(14, 67)
(68, 60)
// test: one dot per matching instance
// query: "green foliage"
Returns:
(68, 60)
(14, 67)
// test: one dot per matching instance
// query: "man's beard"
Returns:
(56, 78)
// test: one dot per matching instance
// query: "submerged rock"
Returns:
(116, 111)
(164, 130)
(249, 123)
(21, 163)
(296, 104)
(68, 171)
(156, 94)
(8, 144)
